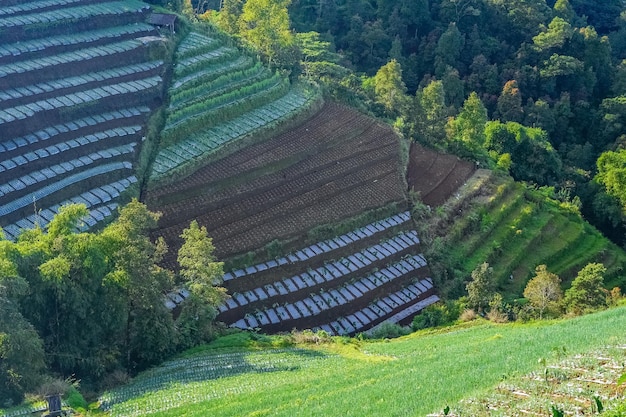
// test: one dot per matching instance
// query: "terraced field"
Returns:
(65, 67)
(334, 166)
(343, 285)
(219, 96)
(515, 229)
(436, 176)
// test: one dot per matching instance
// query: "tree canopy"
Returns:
(90, 303)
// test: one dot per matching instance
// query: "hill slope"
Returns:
(514, 229)
(78, 80)
(416, 375)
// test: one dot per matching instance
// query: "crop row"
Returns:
(31, 6)
(73, 57)
(323, 247)
(220, 85)
(329, 272)
(213, 138)
(306, 212)
(325, 300)
(209, 72)
(43, 192)
(51, 134)
(198, 62)
(293, 212)
(51, 173)
(409, 311)
(35, 45)
(58, 149)
(80, 98)
(104, 194)
(309, 185)
(332, 122)
(301, 171)
(293, 206)
(182, 114)
(378, 310)
(73, 13)
(266, 194)
(200, 118)
(195, 44)
(202, 368)
(77, 81)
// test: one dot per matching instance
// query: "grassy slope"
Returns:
(515, 229)
(409, 376)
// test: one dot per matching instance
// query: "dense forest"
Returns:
(533, 87)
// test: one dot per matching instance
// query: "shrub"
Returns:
(587, 292)
(437, 315)
(468, 315)
(310, 337)
(388, 330)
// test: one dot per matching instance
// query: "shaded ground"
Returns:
(436, 176)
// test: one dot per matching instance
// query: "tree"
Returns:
(558, 32)
(587, 292)
(469, 126)
(228, 18)
(481, 289)
(543, 291)
(21, 355)
(389, 88)
(202, 275)
(432, 114)
(318, 61)
(21, 348)
(612, 174)
(264, 24)
(560, 65)
(448, 49)
(200, 271)
(510, 103)
(564, 10)
(141, 283)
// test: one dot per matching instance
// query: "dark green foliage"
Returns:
(437, 315)
(94, 302)
(481, 288)
(546, 65)
(21, 354)
(388, 330)
(587, 292)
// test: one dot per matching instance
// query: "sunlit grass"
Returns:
(414, 375)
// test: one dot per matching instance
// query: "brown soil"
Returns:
(334, 166)
(436, 176)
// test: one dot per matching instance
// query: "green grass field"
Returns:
(411, 376)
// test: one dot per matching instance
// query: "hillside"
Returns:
(514, 228)
(218, 98)
(242, 375)
(78, 80)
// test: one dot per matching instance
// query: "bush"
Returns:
(388, 330)
(310, 337)
(437, 315)
(468, 315)
(75, 400)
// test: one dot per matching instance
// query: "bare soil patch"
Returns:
(436, 176)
